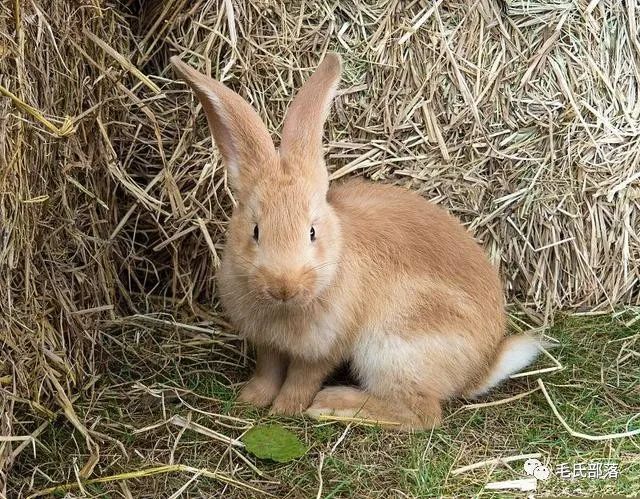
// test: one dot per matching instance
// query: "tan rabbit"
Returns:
(371, 274)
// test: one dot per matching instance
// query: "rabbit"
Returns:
(314, 275)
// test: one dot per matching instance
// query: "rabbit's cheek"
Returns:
(258, 285)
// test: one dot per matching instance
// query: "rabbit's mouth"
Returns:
(288, 297)
(283, 293)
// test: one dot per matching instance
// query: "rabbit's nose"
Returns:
(283, 289)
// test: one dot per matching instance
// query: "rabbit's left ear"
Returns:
(304, 122)
(241, 136)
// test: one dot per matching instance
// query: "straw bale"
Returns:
(520, 117)
(59, 108)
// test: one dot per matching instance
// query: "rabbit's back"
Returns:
(398, 231)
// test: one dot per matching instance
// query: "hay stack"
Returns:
(522, 118)
(62, 99)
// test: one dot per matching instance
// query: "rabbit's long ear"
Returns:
(304, 122)
(238, 131)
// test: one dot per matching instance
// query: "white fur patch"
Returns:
(321, 337)
(311, 340)
(386, 362)
(518, 353)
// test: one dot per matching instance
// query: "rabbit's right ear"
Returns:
(304, 122)
(238, 131)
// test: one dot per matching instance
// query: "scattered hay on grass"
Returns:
(156, 378)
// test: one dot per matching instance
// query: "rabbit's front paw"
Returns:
(259, 392)
(290, 402)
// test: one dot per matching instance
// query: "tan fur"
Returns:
(271, 370)
(392, 283)
(405, 412)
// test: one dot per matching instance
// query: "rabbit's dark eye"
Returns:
(256, 233)
(312, 234)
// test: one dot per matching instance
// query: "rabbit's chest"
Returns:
(308, 337)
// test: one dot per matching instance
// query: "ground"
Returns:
(153, 372)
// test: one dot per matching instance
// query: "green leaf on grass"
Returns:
(273, 442)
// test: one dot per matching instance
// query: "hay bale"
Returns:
(522, 118)
(60, 105)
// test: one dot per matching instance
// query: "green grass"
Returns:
(597, 392)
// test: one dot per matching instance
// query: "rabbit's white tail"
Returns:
(516, 353)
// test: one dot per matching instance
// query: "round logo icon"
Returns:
(541, 472)
(530, 465)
